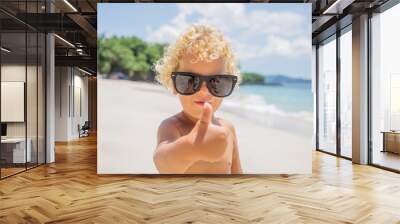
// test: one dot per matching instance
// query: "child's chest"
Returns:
(222, 166)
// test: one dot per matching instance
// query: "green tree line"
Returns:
(129, 55)
(135, 57)
(252, 78)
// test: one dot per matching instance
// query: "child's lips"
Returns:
(201, 103)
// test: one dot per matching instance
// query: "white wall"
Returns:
(79, 117)
(62, 81)
(12, 73)
(70, 83)
(34, 125)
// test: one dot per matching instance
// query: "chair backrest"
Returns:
(86, 124)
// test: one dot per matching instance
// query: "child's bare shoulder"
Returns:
(169, 123)
(226, 123)
(167, 130)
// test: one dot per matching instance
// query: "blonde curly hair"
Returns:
(205, 43)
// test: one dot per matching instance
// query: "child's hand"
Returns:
(209, 140)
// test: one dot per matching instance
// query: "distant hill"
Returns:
(253, 78)
(285, 79)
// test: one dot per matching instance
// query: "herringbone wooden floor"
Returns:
(70, 191)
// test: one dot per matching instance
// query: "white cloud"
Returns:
(283, 47)
(227, 17)
(170, 31)
(255, 33)
(213, 14)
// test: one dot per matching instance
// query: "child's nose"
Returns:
(204, 89)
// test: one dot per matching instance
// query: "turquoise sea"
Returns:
(288, 97)
(289, 107)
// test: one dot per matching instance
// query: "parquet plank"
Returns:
(70, 191)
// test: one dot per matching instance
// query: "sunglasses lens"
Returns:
(221, 86)
(186, 84)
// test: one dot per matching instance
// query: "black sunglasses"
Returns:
(187, 83)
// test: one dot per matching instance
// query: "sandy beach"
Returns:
(129, 114)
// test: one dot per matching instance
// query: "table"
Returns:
(17, 150)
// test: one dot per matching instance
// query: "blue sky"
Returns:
(268, 38)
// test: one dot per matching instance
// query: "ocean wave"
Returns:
(254, 108)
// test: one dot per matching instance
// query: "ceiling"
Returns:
(76, 22)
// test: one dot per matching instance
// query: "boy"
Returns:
(200, 68)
